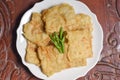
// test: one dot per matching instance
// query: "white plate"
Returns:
(72, 73)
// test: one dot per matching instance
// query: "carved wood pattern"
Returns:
(108, 13)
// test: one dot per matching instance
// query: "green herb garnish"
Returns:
(58, 40)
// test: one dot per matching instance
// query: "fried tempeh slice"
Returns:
(33, 31)
(62, 15)
(52, 19)
(78, 62)
(31, 54)
(83, 21)
(68, 14)
(80, 44)
(51, 60)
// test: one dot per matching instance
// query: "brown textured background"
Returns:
(108, 13)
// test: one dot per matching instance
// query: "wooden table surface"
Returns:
(108, 14)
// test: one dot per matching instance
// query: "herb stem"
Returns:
(58, 40)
